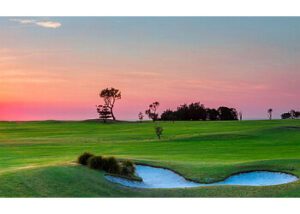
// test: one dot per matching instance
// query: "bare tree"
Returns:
(151, 112)
(270, 113)
(110, 95)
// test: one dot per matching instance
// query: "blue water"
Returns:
(154, 177)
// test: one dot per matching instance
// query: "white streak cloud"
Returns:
(23, 21)
(47, 24)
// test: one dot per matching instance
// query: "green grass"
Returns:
(36, 157)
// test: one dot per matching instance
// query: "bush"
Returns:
(158, 131)
(95, 162)
(128, 168)
(83, 159)
(107, 164)
(111, 165)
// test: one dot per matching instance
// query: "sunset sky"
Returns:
(55, 67)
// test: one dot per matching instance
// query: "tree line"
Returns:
(197, 111)
(194, 111)
(292, 114)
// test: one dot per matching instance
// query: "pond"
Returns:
(154, 177)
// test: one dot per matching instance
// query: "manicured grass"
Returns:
(36, 157)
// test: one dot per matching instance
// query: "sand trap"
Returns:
(154, 177)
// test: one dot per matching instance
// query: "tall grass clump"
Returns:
(111, 165)
(95, 162)
(83, 159)
(127, 168)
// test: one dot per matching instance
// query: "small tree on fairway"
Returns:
(110, 95)
(104, 112)
(158, 131)
(141, 116)
(151, 112)
(270, 113)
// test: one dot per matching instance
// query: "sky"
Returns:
(55, 67)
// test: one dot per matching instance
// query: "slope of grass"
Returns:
(35, 157)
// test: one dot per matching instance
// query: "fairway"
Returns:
(37, 159)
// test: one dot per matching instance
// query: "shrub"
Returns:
(111, 165)
(107, 164)
(128, 168)
(95, 162)
(83, 159)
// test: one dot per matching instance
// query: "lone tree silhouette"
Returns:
(104, 112)
(270, 113)
(151, 112)
(110, 95)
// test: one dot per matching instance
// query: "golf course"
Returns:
(38, 158)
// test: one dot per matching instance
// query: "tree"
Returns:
(197, 111)
(110, 95)
(141, 116)
(270, 113)
(182, 112)
(168, 115)
(104, 112)
(297, 114)
(227, 113)
(158, 131)
(151, 112)
(212, 114)
(286, 115)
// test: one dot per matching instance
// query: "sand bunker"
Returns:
(154, 177)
